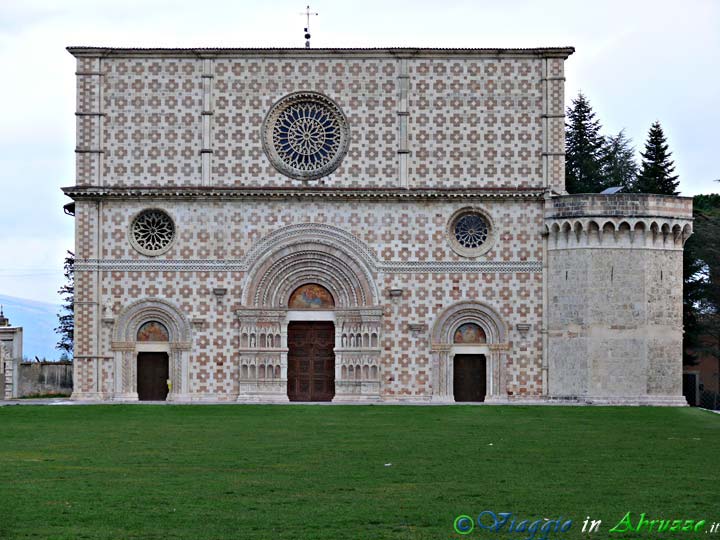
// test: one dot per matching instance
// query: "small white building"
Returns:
(10, 356)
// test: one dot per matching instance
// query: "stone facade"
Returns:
(185, 141)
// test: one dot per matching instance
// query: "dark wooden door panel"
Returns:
(311, 361)
(469, 377)
(153, 371)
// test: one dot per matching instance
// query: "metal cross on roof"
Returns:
(307, 27)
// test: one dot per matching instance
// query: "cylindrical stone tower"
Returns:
(614, 298)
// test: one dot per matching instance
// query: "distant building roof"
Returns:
(612, 190)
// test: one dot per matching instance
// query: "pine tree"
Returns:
(619, 167)
(583, 148)
(656, 175)
(66, 317)
(701, 291)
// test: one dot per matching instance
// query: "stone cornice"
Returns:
(193, 192)
(380, 52)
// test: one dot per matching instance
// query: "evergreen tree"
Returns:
(583, 149)
(619, 167)
(656, 174)
(701, 273)
(66, 317)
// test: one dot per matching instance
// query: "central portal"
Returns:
(311, 361)
(469, 377)
(153, 373)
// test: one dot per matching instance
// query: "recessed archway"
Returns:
(469, 337)
(151, 341)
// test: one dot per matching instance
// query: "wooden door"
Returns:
(469, 377)
(311, 361)
(152, 374)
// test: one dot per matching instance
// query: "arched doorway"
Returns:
(469, 349)
(153, 367)
(313, 288)
(311, 347)
(151, 347)
(469, 369)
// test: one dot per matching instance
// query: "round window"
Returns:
(152, 232)
(305, 135)
(470, 232)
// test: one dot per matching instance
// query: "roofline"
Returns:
(391, 52)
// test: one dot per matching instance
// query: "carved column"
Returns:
(179, 359)
(498, 379)
(125, 366)
(442, 373)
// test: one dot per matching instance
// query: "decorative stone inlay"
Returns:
(152, 232)
(305, 135)
(229, 265)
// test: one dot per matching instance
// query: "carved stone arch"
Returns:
(677, 234)
(469, 312)
(593, 232)
(609, 227)
(305, 254)
(151, 309)
(578, 230)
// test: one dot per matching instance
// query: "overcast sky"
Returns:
(637, 61)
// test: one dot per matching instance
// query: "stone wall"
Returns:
(41, 378)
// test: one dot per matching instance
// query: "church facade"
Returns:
(358, 225)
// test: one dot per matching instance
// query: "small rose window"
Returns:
(470, 233)
(152, 232)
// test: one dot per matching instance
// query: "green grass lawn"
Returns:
(316, 472)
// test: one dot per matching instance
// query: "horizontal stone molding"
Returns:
(240, 265)
(313, 192)
(369, 52)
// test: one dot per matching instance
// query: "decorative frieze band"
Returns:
(229, 265)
